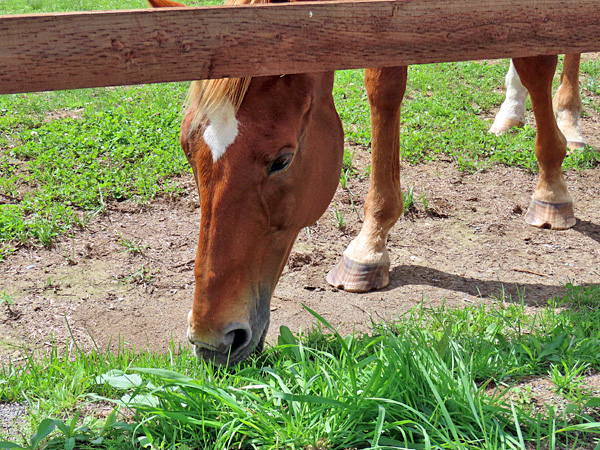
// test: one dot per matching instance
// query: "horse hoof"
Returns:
(575, 145)
(352, 276)
(556, 216)
(502, 126)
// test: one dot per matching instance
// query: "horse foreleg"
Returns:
(551, 205)
(512, 111)
(567, 102)
(365, 264)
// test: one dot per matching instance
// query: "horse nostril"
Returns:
(238, 337)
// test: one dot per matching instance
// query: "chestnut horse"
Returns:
(267, 153)
(567, 103)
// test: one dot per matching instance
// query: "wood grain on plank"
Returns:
(92, 49)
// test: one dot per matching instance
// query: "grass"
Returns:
(133, 246)
(62, 172)
(348, 169)
(39, 6)
(65, 155)
(408, 199)
(339, 217)
(426, 381)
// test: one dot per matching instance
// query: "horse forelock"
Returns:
(209, 99)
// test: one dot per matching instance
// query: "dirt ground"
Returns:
(470, 246)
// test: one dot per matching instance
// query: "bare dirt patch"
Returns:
(63, 114)
(470, 246)
(12, 416)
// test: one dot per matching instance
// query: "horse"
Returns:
(266, 154)
(567, 103)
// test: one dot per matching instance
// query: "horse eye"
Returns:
(280, 164)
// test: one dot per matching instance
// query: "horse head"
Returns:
(266, 154)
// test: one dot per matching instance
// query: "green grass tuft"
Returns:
(63, 172)
(422, 382)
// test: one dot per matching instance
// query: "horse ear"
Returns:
(163, 3)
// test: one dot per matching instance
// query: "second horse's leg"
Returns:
(365, 264)
(551, 205)
(567, 102)
(512, 111)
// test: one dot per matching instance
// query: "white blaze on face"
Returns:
(221, 131)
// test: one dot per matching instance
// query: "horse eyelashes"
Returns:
(280, 164)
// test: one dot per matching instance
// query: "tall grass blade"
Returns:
(378, 426)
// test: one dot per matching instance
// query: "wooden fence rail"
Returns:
(90, 49)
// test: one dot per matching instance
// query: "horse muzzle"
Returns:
(229, 346)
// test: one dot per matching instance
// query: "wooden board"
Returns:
(78, 50)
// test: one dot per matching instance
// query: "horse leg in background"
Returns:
(512, 111)
(551, 205)
(365, 264)
(567, 102)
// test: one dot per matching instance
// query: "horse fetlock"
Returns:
(568, 123)
(551, 187)
(504, 125)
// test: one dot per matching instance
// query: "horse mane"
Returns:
(205, 97)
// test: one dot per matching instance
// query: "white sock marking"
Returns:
(516, 96)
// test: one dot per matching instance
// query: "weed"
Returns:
(569, 380)
(408, 197)
(5, 250)
(523, 395)
(133, 246)
(424, 201)
(34, 6)
(592, 85)
(8, 303)
(339, 217)
(125, 144)
(140, 276)
(344, 175)
(5, 299)
(120, 149)
(348, 160)
(585, 158)
(91, 432)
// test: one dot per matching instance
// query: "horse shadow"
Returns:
(531, 294)
(589, 229)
